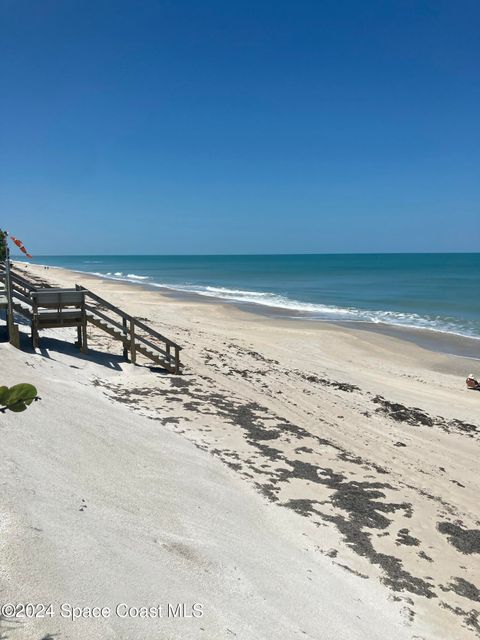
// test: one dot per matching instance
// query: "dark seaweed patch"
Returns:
(470, 618)
(404, 537)
(302, 506)
(463, 588)
(400, 413)
(417, 417)
(362, 505)
(303, 450)
(423, 555)
(325, 382)
(361, 501)
(465, 540)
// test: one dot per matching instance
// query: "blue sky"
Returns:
(240, 127)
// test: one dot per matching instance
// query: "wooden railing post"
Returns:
(84, 334)
(125, 342)
(12, 337)
(15, 336)
(78, 343)
(177, 360)
(133, 347)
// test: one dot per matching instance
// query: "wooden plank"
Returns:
(24, 283)
(56, 325)
(8, 287)
(151, 345)
(154, 333)
(177, 360)
(161, 363)
(124, 329)
(22, 311)
(84, 345)
(53, 298)
(15, 336)
(53, 316)
(133, 346)
(92, 310)
(19, 296)
(110, 330)
(104, 303)
(125, 341)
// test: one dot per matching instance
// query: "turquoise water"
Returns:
(431, 291)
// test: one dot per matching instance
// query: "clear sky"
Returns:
(239, 126)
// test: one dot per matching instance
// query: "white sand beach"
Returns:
(299, 480)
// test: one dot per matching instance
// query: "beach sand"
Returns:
(300, 479)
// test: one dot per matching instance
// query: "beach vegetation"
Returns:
(3, 245)
(17, 398)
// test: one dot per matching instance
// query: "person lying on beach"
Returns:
(473, 383)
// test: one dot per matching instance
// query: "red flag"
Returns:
(20, 245)
(17, 242)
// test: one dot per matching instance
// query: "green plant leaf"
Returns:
(3, 395)
(18, 397)
(18, 407)
(22, 393)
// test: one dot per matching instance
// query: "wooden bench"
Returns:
(54, 308)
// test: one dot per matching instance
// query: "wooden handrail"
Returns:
(22, 282)
(96, 312)
(103, 302)
(153, 346)
(156, 334)
(126, 331)
(127, 316)
(20, 296)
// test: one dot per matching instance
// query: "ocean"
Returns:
(439, 292)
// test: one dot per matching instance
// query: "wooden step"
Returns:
(22, 310)
(156, 358)
(108, 328)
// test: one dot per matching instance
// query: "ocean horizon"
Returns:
(433, 291)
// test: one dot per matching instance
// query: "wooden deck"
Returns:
(135, 336)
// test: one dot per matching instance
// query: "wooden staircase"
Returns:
(135, 336)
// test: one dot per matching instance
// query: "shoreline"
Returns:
(444, 342)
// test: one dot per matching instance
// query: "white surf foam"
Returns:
(308, 310)
(326, 312)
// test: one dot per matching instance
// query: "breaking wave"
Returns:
(308, 310)
(311, 311)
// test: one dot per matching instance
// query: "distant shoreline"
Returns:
(434, 340)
